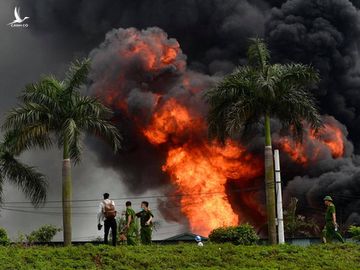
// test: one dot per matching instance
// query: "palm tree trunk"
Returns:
(66, 194)
(269, 183)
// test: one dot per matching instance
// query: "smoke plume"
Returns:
(325, 34)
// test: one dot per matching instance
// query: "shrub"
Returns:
(4, 239)
(355, 232)
(297, 225)
(44, 234)
(238, 235)
(20, 240)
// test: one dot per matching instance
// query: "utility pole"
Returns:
(279, 205)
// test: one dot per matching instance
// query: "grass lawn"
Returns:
(211, 256)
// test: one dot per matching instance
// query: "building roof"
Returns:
(187, 236)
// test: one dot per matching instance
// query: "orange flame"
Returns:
(200, 171)
(155, 54)
(328, 139)
(171, 122)
(333, 138)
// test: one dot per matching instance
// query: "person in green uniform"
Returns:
(330, 231)
(146, 217)
(130, 224)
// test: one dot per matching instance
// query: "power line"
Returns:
(146, 197)
(18, 209)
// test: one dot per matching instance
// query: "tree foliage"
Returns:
(32, 183)
(355, 232)
(245, 96)
(44, 234)
(52, 109)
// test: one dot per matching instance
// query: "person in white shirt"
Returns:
(107, 214)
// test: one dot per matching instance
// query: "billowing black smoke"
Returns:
(325, 34)
(213, 34)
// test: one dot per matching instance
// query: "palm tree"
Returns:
(256, 92)
(56, 110)
(31, 182)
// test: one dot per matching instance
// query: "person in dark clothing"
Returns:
(107, 213)
(146, 223)
(330, 231)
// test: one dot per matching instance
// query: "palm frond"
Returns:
(76, 147)
(31, 182)
(71, 133)
(104, 129)
(77, 74)
(46, 92)
(295, 76)
(217, 122)
(47, 85)
(258, 53)
(36, 135)
(90, 106)
(295, 103)
(241, 114)
(234, 103)
(28, 114)
(69, 130)
(234, 86)
(299, 73)
(295, 106)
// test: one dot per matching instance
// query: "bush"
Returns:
(44, 234)
(238, 235)
(297, 225)
(355, 232)
(4, 239)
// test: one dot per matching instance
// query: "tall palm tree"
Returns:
(31, 182)
(56, 110)
(253, 94)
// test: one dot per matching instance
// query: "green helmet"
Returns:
(328, 198)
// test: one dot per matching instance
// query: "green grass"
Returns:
(211, 256)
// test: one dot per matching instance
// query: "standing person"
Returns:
(130, 224)
(330, 231)
(146, 223)
(107, 213)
